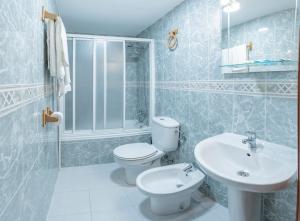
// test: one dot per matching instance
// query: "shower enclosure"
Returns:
(112, 84)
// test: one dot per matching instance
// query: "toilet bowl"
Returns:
(170, 188)
(138, 157)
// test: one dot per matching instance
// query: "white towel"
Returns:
(51, 48)
(240, 54)
(242, 51)
(62, 58)
(235, 55)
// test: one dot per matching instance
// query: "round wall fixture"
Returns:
(172, 40)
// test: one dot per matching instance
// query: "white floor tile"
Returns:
(103, 216)
(128, 214)
(100, 193)
(74, 217)
(145, 214)
(103, 200)
(135, 196)
(69, 203)
(86, 178)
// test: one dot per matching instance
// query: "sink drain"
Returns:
(243, 173)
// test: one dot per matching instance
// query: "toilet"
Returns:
(138, 157)
(170, 188)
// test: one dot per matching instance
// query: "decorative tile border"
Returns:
(284, 88)
(13, 97)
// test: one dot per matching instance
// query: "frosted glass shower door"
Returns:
(115, 84)
(97, 101)
(84, 85)
(100, 84)
(69, 96)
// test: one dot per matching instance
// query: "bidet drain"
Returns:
(243, 173)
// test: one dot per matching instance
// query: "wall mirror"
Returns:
(259, 35)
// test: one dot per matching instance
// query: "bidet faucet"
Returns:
(188, 169)
(251, 140)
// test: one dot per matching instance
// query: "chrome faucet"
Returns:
(251, 140)
(189, 168)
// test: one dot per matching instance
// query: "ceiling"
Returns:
(251, 9)
(112, 17)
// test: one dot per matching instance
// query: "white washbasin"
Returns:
(273, 167)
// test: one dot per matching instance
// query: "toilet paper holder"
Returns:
(47, 118)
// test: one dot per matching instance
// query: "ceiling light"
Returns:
(232, 6)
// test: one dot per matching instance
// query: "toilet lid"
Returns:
(135, 151)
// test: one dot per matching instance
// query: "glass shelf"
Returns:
(260, 63)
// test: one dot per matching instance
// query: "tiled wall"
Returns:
(28, 152)
(131, 89)
(95, 151)
(137, 79)
(143, 92)
(191, 89)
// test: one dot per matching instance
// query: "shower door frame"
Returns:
(105, 39)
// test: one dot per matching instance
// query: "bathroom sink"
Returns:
(225, 158)
(247, 173)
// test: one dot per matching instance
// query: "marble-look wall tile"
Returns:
(28, 152)
(220, 114)
(79, 153)
(131, 92)
(191, 88)
(159, 99)
(281, 128)
(138, 80)
(249, 115)
(215, 190)
(280, 206)
(97, 151)
(36, 161)
(198, 119)
(143, 91)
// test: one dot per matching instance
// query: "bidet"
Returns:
(169, 188)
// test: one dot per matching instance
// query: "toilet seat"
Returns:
(135, 151)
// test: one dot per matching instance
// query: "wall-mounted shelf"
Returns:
(260, 66)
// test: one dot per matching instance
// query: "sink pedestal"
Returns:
(243, 205)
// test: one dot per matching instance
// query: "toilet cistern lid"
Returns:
(165, 122)
(135, 151)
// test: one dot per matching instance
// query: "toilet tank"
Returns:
(165, 133)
